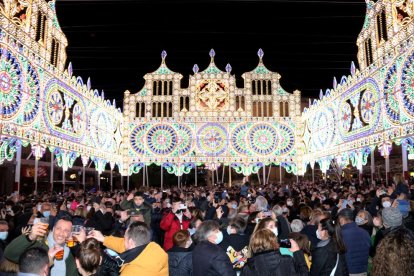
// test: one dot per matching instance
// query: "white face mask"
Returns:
(189, 242)
(3, 235)
(229, 230)
(191, 231)
(256, 220)
(219, 237)
(68, 206)
(318, 235)
(88, 208)
(386, 204)
(289, 203)
(359, 221)
(275, 231)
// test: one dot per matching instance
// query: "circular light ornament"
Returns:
(162, 139)
(263, 139)
(212, 139)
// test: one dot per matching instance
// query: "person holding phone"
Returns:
(264, 249)
(175, 219)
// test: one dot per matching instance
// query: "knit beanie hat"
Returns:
(391, 217)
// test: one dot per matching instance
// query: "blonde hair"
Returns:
(262, 240)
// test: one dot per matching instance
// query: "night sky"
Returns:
(117, 42)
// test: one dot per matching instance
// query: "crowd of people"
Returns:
(327, 228)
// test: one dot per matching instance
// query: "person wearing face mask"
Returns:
(236, 241)
(265, 259)
(4, 232)
(280, 214)
(180, 256)
(357, 242)
(137, 254)
(364, 220)
(178, 218)
(380, 201)
(209, 258)
(392, 221)
(329, 254)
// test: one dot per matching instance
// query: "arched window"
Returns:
(382, 27)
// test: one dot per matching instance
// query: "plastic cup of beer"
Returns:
(45, 223)
(59, 254)
(70, 242)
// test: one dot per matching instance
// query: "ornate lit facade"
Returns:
(373, 107)
(212, 121)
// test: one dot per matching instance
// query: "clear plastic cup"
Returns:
(76, 229)
(88, 230)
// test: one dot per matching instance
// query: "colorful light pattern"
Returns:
(263, 139)
(212, 139)
(407, 85)
(11, 85)
(161, 139)
(391, 105)
(217, 124)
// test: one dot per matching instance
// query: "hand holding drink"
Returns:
(56, 252)
(77, 235)
(39, 229)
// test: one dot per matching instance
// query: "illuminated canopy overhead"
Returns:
(212, 121)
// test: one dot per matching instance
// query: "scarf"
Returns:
(59, 267)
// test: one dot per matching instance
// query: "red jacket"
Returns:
(171, 224)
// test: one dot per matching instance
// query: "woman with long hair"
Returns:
(328, 257)
(265, 258)
(395, 255)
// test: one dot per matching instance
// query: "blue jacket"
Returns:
(357, 242)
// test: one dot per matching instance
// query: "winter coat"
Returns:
(324, 257)
(210, 260)
(144, 208)
(357, 242)
(20, 244)
(152, 261)
(310, 231)
(171, 224)
(101, 222)
(283, 227)
(272, 263)
(180, 261)
(237, 241)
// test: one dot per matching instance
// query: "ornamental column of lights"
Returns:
(385, 150)
(372, 166)
(404, 153)
(18, 168)
(312, 165)
(85, 160)
(52, 169)
(112, 165)
(38, 152)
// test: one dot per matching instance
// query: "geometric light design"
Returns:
(161, 139)
(263, 139)
(10, 85)
(407, 85)
(212, 139)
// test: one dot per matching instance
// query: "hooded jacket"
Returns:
(152, 261)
